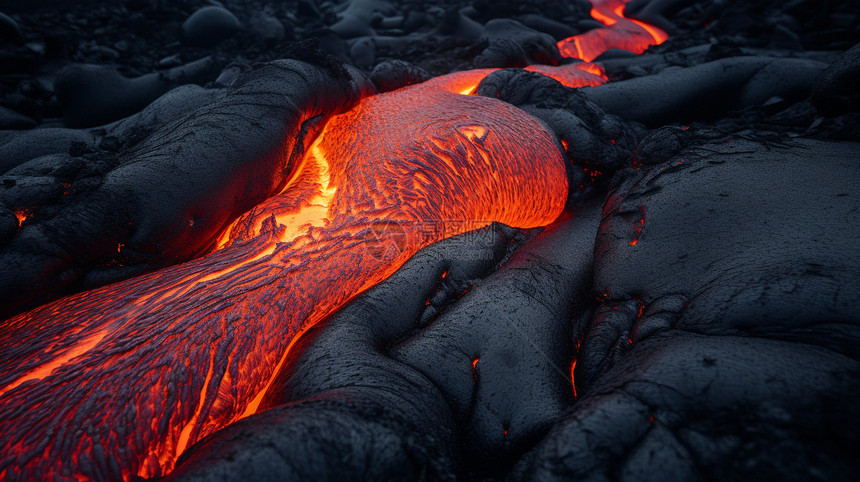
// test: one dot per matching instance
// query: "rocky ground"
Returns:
(691, 315)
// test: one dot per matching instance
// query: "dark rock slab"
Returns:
(706, 91)
(724, 344)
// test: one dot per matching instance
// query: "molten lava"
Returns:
(119, 381)
(620, 33)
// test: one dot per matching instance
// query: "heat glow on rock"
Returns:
(120, 380)
(117, 382)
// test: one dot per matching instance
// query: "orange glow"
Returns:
(41, 371)
(22, 216)
(639, 226)
(129, 375)
(463, 83)
(620, 32)
(117, 382)
(582, 74)
(573, 75)
(573, 380)
(608, 20)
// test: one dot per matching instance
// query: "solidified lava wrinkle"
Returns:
(119, 381)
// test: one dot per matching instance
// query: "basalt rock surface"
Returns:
(691, 315)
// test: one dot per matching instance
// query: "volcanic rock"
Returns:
(149, 181)
(707, 90)
(512, 44)
(267, 27)
(557, 29)
(209, 26)
(363, 53)
(8, 224)
(722, 321)
(394, 74)
(9, 119)
(593, 140)
(655, 12)
(837, 91)
(356, 19)
(466, 356)
(94, 94)
(18, 148)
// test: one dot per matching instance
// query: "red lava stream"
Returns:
(119, 381)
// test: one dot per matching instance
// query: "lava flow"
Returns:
(620, 33)
(117, 382)
(120, 380)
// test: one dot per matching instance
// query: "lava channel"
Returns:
(620, 33)
(119, 381)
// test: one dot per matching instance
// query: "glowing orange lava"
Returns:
(119, 381)
(620, 33)
(22, 216)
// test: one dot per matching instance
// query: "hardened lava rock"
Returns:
(837, 90)
(706, 91)
(593, 140)
(724, 343)
(165, 198)
(512, 44)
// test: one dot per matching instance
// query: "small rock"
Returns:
(37, 48)
(209, 26)
(9, 119)
(229, 75)
(363, 53)
(268, 27)
(394, 74)
(351, 27)
(389, 23)
(169, 61)
(104, 53)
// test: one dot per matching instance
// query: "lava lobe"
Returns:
(120, 380)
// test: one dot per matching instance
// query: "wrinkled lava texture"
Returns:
(372, 241)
